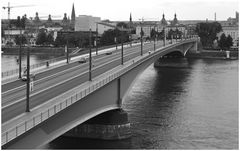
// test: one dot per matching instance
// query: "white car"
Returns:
(24, 76)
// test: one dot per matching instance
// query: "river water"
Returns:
(194, 107)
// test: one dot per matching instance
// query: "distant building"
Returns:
(231, 27)
(146, 28)
(85, 22)
(104, 26)
(159, 26)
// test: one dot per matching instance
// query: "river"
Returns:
(195, 107)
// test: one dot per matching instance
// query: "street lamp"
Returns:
(164, 37)
(96, 39)
(28, 78)
(122, 44)
(20, 55)
(115, 40)
(66, 49)
(90, 55)
(154, 47)
(141, 40)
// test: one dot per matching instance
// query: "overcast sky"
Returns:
(119, 10)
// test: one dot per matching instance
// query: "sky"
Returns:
(119, 10)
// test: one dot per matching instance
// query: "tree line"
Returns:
(207, 31)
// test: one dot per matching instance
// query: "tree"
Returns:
(222, 41)
(208, 32)
(59, 41)
(153, 33)
(23, 22)
(18, 23)
(109, 36)
(41, 38)
(170, 34)
(120, 24)
(18, 40)
(49, 39)
(229, 41)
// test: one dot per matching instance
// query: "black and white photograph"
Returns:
(120, 75)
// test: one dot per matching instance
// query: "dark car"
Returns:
(108, 53)
(24, 76)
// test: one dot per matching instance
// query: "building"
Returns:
(85, 22)
(173, 25)
(104, 26)
(146, 28)
(231, 27)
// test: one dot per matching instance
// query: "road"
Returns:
(54, 82)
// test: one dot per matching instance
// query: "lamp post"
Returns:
(96, 39)
(154, 46)
(115, 39)
(66, 49)
(164, 37)
(122, 45)
(28, 78)
(141, 40)
(20, 55)
(90, 54)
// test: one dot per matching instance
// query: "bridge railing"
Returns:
(23, 127)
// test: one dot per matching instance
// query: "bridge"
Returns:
(63, 97)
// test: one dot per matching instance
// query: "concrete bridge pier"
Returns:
(110, 125)
(195, 47)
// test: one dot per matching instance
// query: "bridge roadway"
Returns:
(51, 83)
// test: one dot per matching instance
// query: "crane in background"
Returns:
(9, 10)
(10, 7)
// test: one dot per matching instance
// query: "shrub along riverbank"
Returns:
(212, 54)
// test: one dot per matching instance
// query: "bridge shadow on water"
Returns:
(82, 143)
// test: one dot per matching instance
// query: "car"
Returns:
(108, 53)
(82, 60)
(24, 76)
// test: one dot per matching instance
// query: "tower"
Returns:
(175, 21)
(73, 17)
(163, 21)
(130, 21)
(215, 16)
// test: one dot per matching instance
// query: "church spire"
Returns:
(130, 21)
(73, 13)
(130, 17)
(73, 18)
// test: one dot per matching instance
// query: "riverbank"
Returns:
(212, 54)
